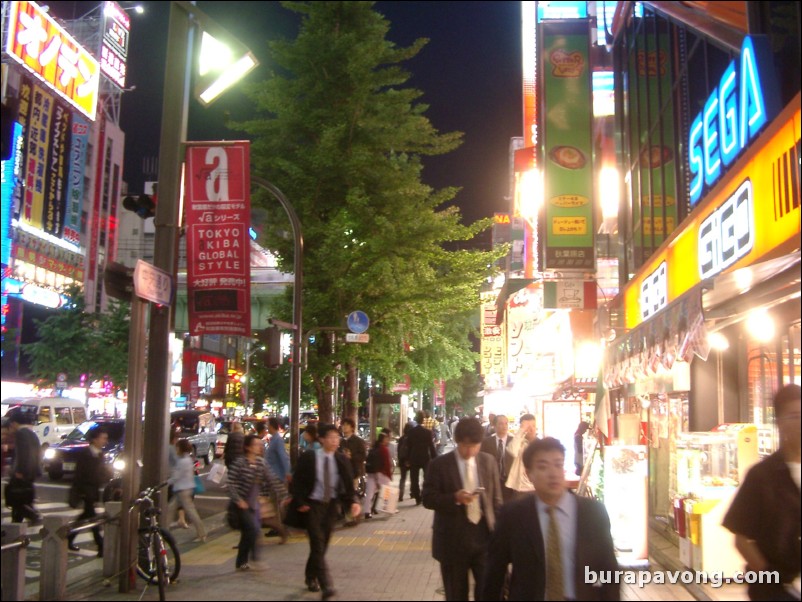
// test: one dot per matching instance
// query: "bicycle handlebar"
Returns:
(148, 493)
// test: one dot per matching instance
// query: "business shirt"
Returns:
(566, 515)
(334, 476)
(464, 466)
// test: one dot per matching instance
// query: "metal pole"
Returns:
(133, 440)
(177, 75)
(297, 315)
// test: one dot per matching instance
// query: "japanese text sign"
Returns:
(218, 214)
(45, 49)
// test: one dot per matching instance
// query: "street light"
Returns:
(184, 19)
(246, 383)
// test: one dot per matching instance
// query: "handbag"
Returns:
(294, 518)
(267, 509)
(233, 516)
(217, 473)
(19, 492)
(75, 497)
(199, 486)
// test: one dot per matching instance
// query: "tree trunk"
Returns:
(352, 393)
(324, 408)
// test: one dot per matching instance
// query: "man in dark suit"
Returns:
(496, 446)
(421, 451)
(322, 478)
(551, 538)
(462, 487)
(91, 473)
(354, 448)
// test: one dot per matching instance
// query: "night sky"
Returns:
(470, 74)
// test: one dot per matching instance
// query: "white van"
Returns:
(53, 417)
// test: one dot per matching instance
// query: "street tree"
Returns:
(343, 136)
(84, 346)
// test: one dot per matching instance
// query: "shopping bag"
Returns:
(388, 499)
(267, 509)
(217, 473)
(199, 486)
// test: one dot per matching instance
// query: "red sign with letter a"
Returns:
(218, 216)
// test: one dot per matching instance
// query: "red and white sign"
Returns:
(45, 49)
(218, 215)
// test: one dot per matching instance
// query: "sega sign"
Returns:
(728, 233)
(736, 110)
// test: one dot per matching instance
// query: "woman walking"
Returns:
(183, 481)
(379, 467)
(249, 477)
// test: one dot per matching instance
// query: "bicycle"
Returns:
(158, 559)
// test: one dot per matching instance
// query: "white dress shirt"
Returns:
(334, 476)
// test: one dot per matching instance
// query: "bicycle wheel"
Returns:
(148, 560)
(161, 571)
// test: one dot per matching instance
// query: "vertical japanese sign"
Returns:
(439, 392)
(218, 215)
(36, 157)
(75, 181)
(567, 139)
(114, 45)
(493, 366)
(45, 49)
(56, 174)
(655, 210)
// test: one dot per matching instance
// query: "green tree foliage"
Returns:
(79, 343)
(340, 134)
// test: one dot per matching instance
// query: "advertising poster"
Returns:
(75, 180)
(218, 215)
(57, 169)
(38, 136)
(493, 363)
(568, 151)
(656, 161)
(626, 482)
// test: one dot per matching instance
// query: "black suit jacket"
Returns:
(518, 540)
(421, 446)
(303, 479)
(450, 519)
(490, 446)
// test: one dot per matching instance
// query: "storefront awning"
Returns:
(729, 297)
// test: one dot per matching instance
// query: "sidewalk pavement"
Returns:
(384, 558)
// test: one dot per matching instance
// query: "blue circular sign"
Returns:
(358, 322)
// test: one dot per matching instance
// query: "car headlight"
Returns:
(118, 465)
(50, 454)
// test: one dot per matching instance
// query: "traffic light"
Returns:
(143, 205)
(273, 356)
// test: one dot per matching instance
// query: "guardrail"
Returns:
(56, 530)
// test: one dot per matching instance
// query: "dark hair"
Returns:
(349, 422)
(539, 446)
(525, 417)
(407, 428)
(321, 430)
(469, 430)
(260, 427)
(273, 422)
(19, 416)
(419, 417)
(248, 440)
(382, 438)
(313, 430)
(94, 433)
(183, 446)
(785, 396)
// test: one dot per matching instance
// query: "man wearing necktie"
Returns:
(550, 537)
(497, 445)
(322, 479)
(463, 489)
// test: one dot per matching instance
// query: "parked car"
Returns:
(224, 428)
(200, 429)
(59, 459)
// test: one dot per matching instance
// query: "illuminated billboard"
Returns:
(114, 44)
(45, 49)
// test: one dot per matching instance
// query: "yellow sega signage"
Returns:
(748, 216)
(45, 49)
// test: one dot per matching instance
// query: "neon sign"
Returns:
(45, 49)
(654, 292)
(733, 115)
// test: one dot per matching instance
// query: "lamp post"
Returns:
(184, 19)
